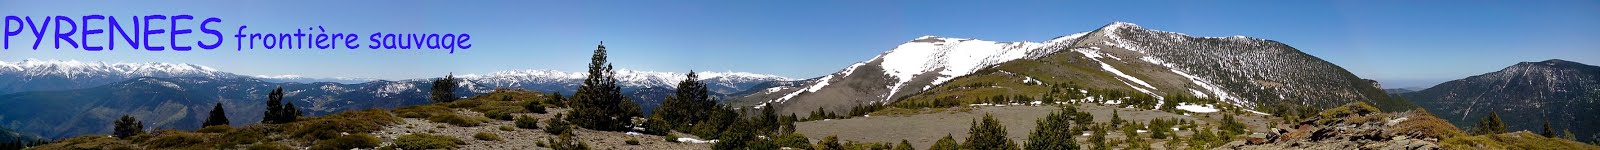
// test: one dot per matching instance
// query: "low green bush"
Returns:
(557, 126)
(215, 129)
(457, 120)
(330, 126)
(353, 141)
(427, 141)
(90, 142)
(527, 122)
(268, 146)
(175, 139)
(486, 136)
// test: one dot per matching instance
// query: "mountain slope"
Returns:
(1525, 95)
(908, 68)
(1238, 70)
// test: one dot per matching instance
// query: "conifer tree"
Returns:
(290, 113)
(1489, 125)
(946, 143)
(988, 134)
(1549, 133)
(1098, 138)
(599, 103)
(688, 105)
(444, 89)
(1116, 119)
(1054, 132)
(274, 114)
(218, 117)
(127, 126)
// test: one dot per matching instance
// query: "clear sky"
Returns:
(1402, 43)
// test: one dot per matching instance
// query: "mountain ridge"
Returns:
(1525, 95)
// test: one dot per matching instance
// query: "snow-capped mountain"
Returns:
(168, 95)
(1526, 95)
(551, 80)
(1122, 56)
(303, 79)
(1241, 70)
(44, 75)
(906, 69)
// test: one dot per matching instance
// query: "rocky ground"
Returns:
(922, 129)
(526, 138)
(1375, 130)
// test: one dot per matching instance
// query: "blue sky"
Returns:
(1403, 44)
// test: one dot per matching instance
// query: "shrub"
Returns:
(171, 139)
(793, 140)
(1426, 126)
(534, 107)
(527, 122)
(565, 141)
(674, 138)
(427, 141)
(557, 126)
(498, 115)
(422, 111)
(632, 141)
(457, 120)
(215, 129)
(268, 146)
(946, 143)
(249, 134)
(507, 128)
(331, 126)
(486, 136)
(89, 142)
(1356, 108)
(359, 140)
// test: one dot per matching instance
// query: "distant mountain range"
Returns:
(66, 98)
(1239, 70)
(1526, 95)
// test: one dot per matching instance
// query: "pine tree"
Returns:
(1489, 125)
(1549, 133)
(218, 117)
(599, 103)
(1054, 132)
(987, 134)
(128, 127)
(274, 114)
(946, 143)
(686, 105)
(444, 89)
(290, 113)
(1116, 119)
(1098, 138)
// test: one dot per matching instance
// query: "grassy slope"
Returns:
(310, 131)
